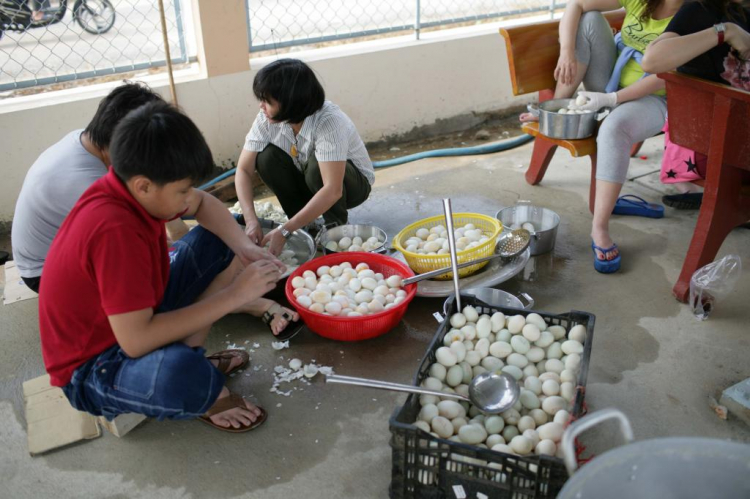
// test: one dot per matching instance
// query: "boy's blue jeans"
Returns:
(175, 381)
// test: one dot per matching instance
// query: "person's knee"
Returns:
(188, 380)
(591, 18)
(266, 159)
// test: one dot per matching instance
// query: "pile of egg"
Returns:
(526, 225)
(434, 241)
(288, 258)
(347, 290)
(574, 105)
(544, 359)
(355, 243)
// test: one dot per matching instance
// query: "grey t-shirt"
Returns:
(52, 186)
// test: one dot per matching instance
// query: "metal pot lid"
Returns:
(665, 468)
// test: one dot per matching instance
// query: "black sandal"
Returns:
(686, 201)
(292, 327)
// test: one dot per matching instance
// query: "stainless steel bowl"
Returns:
(300, 242)
(351, 231)
(565, 126)
(545, 221)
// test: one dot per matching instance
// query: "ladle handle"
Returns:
(385, 385)
(435, 273)
(452, 247)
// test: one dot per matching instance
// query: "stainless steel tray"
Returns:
(494, 273)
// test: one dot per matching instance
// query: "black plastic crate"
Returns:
(427, 466)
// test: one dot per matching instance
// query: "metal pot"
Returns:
(565, 126)
(663, 468)
(545, 221)
(300, 242)
(494, 298)
(364, 231)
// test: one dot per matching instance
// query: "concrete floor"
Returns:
(650, 358)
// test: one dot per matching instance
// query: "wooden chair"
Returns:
(712, 119)
(533, 50)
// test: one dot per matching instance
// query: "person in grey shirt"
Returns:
(306, 150)
(61, 174)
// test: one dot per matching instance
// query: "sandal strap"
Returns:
(604, 250)
(225, 404)
(634, 200)
(273, 311)
(225, 358)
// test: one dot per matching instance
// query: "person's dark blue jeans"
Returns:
(172, 382)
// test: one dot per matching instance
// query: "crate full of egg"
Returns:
(438, 443)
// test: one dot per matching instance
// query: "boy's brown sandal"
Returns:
(225, 358)
(227, 403)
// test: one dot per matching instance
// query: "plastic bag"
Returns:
(713, 282)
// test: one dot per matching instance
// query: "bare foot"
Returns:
(603, 240)
(236, 417)
(527, 117)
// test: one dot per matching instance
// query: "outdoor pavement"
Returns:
(651, 358)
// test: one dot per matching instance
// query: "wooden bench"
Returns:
(712, 119)
(533, 51)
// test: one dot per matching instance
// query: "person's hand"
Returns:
(597, 100)
(739, 40)
(566, 69)
(275, 240)
(249, 253)
(253, 229)
(256, 280)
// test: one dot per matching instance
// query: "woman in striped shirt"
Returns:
(306, 150)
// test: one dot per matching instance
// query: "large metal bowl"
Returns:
(565, 126)
(364, 231)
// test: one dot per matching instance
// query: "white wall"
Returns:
(386, 87)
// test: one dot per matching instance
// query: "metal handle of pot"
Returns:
(585, 423)
(533, 109)
(603, 114)
(386, 385)
(529, 300)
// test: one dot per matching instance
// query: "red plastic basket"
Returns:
(354, 328)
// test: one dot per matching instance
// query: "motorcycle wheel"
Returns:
(94, 16)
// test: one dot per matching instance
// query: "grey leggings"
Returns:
(628, 123)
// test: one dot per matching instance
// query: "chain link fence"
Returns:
(53, 41)
(285, 23)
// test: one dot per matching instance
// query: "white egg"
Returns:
(472, 434)
(572, 361)
(545, 448)
(323, 270)
(545, 339)
(304, 301)
(567, 391)
(491, 363)
(394, 281)
(503, 335)
(423, 233)
(562, 417)
(446, 356)
(501, 349)
(568, 375)
(553, 404)
(516, 323)
(364, 296)
(483, 347)
(520, 344)
(557, 331)
(551, 431)
(336, 271)
(517, 359)
(531, 332)
(333, 308)
(355, 284)
(318, 308)
(311, 283)
(471, 314)
(301, 292)
(529, 400)
(572, 346)
(369, 283)
(578, 333)
(554, 351)
(554, 365)
(298, 282)
(521, 445)
(442, 426)
(428, 413)
(344, 243)
(458, 320)
(509, 432)
(459, 349)
(321, 296)
(550, 387)
(514, 371)
(455, 375)
(540, 417)
(332, 246)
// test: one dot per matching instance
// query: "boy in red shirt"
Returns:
(122, 330)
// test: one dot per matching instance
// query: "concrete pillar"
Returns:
(221, 31)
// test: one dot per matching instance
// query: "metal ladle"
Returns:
(489, 392)
(509, 245)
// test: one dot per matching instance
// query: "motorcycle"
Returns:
(94, 16)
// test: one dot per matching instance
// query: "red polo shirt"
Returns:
(109, 257)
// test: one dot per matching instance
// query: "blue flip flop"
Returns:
(637, 207)
(605, 266)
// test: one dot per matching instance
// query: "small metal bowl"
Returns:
(364, 231)
(300, 242)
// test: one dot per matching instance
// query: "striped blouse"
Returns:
(328, 132)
